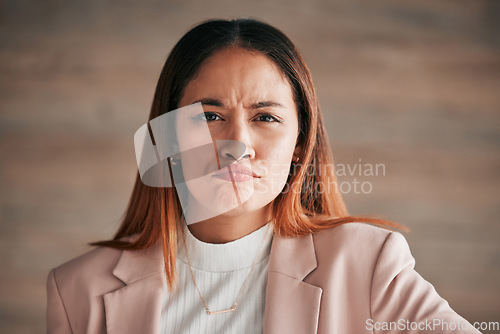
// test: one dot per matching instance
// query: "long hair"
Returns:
(310, 201)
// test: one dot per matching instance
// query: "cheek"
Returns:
(278, 148)
(275, 157)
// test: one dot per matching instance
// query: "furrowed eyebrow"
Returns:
(259, 105)
(210, 102)
(265, 104)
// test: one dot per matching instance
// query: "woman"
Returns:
(235, 224)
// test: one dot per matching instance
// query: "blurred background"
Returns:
(413, 85)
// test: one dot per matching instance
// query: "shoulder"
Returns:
(357, 235)
(75, 289)
(97, 261)
(95, 265)
(359, 243)
(351, 255)
(80, 280)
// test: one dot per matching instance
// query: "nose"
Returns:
(234, 150)
(233, 140)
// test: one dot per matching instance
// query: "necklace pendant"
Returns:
(221, 311)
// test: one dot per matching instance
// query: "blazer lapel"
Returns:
(292, 305)
(136, 307)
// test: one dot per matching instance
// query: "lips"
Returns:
(237, 173)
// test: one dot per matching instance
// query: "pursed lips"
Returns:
(237, 169)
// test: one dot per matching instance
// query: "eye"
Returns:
(267, 118)
(207, 116)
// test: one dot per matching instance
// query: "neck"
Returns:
(223, 228)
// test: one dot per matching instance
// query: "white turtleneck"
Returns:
(220, 271)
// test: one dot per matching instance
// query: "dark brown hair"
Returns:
(154, 213)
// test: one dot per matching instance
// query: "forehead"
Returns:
(239, 58)
(241, 73)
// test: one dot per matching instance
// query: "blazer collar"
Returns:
(136, 307)
(138, 264)
(294, 257)
(292, 305)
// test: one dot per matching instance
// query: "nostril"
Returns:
(236, 158)
(232, 149)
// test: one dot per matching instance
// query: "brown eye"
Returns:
(267, 118)
(207, 116)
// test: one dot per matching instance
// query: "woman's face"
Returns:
(251, 115)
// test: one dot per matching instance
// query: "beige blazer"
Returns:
(355, 278)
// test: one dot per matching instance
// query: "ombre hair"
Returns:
(154, 213)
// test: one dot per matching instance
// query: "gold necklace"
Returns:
(243, 288)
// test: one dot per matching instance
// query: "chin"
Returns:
(244, 208)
